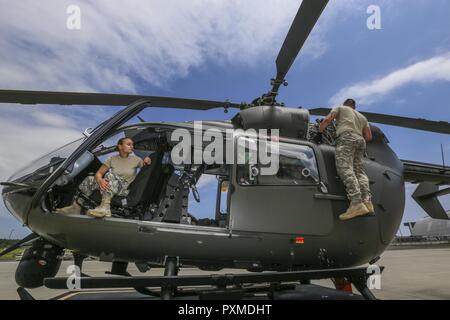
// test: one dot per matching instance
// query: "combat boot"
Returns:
(103, 210)
(74, 208)
(355, 210)
(369, 206)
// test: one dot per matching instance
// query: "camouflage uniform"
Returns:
(350, 148)
(117, 185)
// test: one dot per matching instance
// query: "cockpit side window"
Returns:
(297, 165)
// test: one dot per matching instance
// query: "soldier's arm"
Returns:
(328, 119)
(367, 134)
(102, 183)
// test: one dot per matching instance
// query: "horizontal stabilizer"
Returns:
(426, 195)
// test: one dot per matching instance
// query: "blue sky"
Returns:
(221, 50)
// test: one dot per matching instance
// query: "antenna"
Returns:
(442, 152)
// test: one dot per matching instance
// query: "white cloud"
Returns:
(207, 180)
(123, 43)
(29, 136)
(423, 72)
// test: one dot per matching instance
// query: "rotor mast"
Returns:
(304, 21)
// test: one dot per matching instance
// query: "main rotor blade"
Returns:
(412, 123)
(416, 172)
(105, 99)
(305, 20)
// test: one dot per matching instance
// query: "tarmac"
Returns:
(422, 273)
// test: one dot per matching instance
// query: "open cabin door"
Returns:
(282, 202)
(92, 140)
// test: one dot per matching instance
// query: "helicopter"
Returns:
(282, 223)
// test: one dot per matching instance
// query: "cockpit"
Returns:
(163, 191)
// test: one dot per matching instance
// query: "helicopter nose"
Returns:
(17, 200)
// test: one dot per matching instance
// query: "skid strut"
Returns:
(171, 269)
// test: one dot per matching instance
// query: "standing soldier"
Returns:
(353, 131)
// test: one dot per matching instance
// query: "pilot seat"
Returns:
(145, 191)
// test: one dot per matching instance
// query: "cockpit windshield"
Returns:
(41, 168)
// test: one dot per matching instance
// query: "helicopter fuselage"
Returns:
(268, 227)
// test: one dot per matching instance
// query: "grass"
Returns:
(4, 243)
(12, 255)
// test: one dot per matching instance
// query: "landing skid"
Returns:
(265, 285)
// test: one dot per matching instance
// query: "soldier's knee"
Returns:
(362, 176)
(344, 170)
(88, 179)
(109, 175)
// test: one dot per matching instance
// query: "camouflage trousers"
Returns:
(117, 185)
(350, 150)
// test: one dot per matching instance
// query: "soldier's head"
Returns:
(350, 103)
(125, 145)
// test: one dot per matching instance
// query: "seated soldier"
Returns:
(113, 178)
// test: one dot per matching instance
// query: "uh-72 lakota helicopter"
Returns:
(285, 224)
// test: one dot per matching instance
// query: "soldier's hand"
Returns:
(147, 161)
(103, 184)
